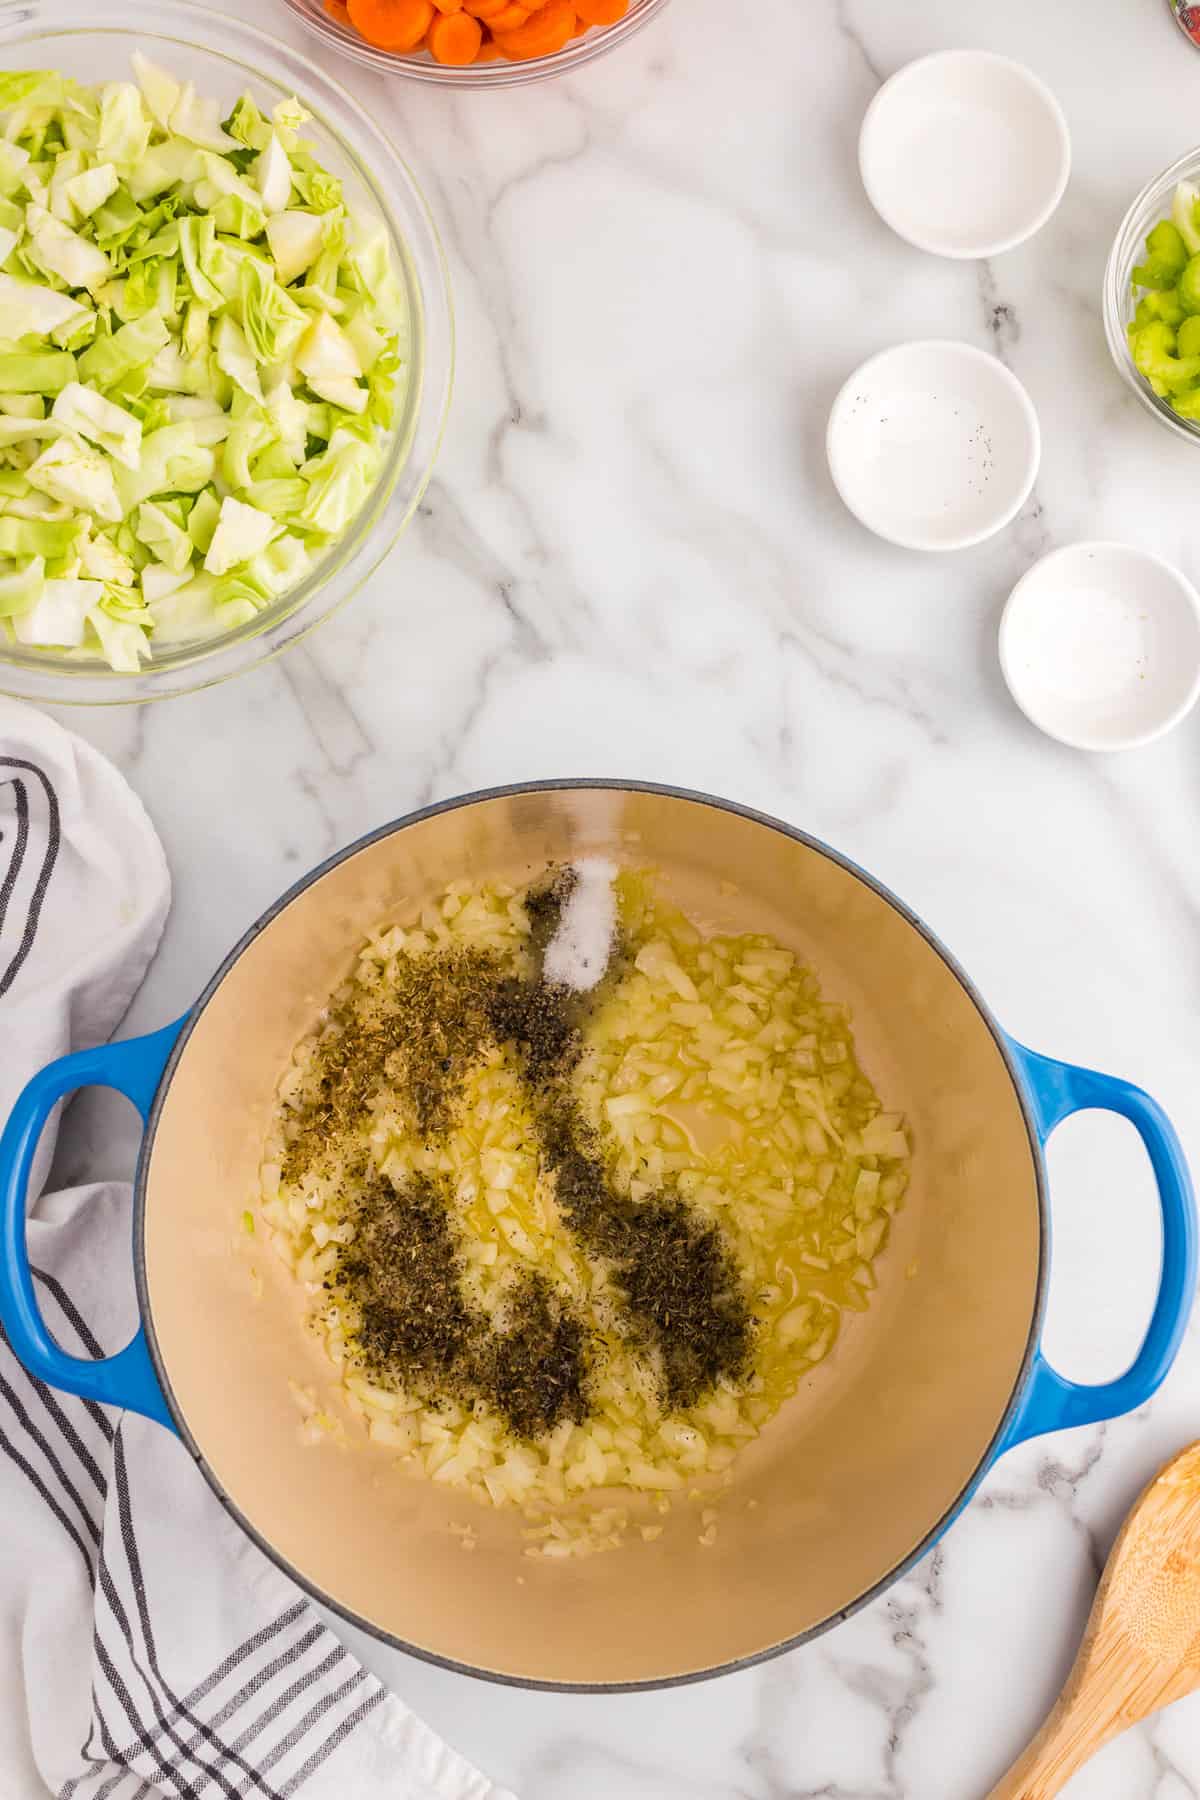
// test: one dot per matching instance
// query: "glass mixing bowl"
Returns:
(1120, 300)
(223, 55)
(422, 67)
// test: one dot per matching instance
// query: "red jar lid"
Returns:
(1187, 17)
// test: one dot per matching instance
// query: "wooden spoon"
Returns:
(1141, 1649)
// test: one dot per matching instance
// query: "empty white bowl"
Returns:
(964, 153)
(934, 445)
(1100, 646)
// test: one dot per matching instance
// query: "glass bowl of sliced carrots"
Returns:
(476, 43)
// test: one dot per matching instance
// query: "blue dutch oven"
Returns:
(855, 1478)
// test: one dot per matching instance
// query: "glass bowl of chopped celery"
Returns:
(1152, 297)
(226, 348)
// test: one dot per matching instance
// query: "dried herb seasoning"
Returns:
(677, 1284)
(404, 1272)
(535, 1371)
(419, 1037)
(541, 1020)
(545, 902)
(406, 1276)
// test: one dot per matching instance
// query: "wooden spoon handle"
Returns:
(1070, 1737)
(1034, 1777)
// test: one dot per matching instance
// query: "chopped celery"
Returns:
(1166, 255)
(1189, 286)
(1155, 354)
(1184, 215)
(1163, 303)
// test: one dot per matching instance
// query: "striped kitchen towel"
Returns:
(147, 1647)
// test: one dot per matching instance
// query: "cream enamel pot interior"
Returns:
(853, 1480)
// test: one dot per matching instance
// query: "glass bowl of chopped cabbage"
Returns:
(1152, 297)
(226, 348)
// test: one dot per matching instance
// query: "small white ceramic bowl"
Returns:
(964, 153)
(1100, 646)
(934, 445)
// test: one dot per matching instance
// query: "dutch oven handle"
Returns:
(1049, 1401)
(134, 1068)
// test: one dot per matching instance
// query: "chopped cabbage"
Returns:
(163, 536)
(108, 426)
(158, 580)
(104, 560)
(91, 188)
(55, 538)
(124, 123)
(79, 477)
(22, 587)
(59, 614)
(247, 125)
(199, 121)
(109, 361)
(296, 238)
(27, 308)
(201, 352)
(202, 520)
(196, 610)
(242, 531)
(123, 642)
(234, 357)
(160, 90)
(273, 174)
(35, 371)
(14, 159)
(161, 168)
(339, 482)
(327, 352)
(58, 250)
(271, 319)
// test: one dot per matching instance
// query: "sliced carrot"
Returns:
(544, 34)
(489, 51)
(448, 6)
(483, 9)
(337, 10)
(509, 17)
(601, 12)
(391, 24)
(454, 38)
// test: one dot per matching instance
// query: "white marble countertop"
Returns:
(632, 563)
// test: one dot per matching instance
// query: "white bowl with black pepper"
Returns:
(934, 445)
